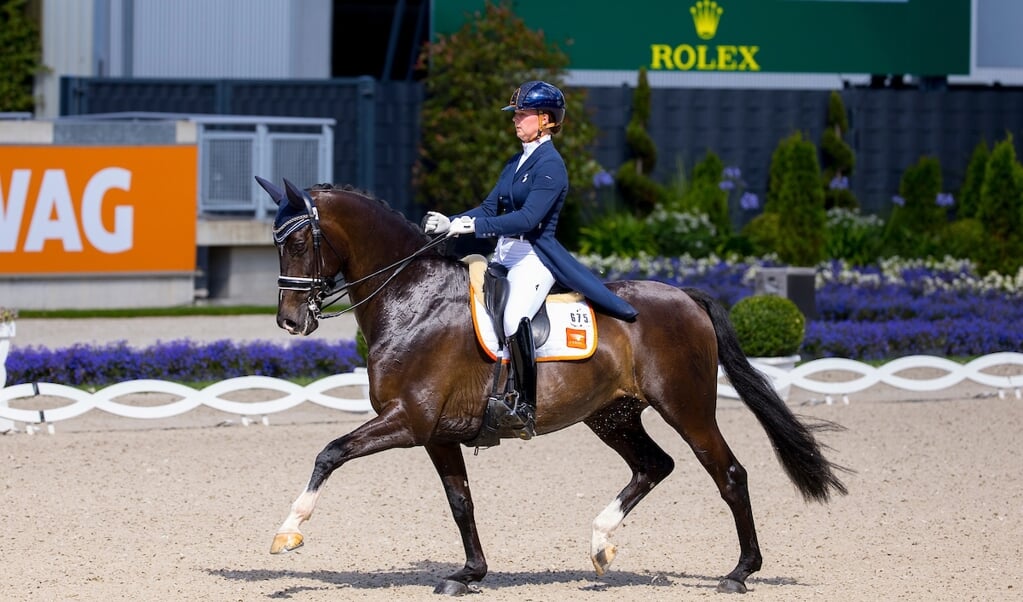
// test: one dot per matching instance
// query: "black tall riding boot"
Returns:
(522, 401)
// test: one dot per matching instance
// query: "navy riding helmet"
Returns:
(540, 96)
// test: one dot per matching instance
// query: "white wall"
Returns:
(249, 39)
(243, 39)
(67, 49)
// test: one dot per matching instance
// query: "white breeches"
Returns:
(529, 281)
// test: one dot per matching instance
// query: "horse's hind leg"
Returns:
(699, 428)
(450, 465)
(621, 428)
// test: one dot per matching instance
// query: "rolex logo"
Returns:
(705, 57)
(706, 15)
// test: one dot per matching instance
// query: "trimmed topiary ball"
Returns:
(768, 325)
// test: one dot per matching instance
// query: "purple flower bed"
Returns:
(965, 336)
(180, 361)
(871, 313)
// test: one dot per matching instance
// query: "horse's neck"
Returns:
(376, 235)
(430, 289)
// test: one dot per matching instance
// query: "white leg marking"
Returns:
(301, 511)
(604, 525)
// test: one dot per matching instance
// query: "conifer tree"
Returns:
(638, 191)
(794, 220)
(969, 192)
(916, 217)
(1001, 209)
(837, 157)
(802, 219)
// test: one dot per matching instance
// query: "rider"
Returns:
(522, 211)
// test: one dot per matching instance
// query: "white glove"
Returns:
(462, 225)
(436, 223)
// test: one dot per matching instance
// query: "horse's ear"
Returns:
(295, 194)
(275, 193)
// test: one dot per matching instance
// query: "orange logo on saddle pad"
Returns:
(575, 338)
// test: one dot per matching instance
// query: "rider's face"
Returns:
(527, 124)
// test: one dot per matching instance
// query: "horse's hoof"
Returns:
(603, 559)
(286, 542)
(449, 587)
(731, 586)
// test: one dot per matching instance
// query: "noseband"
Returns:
(321, 287)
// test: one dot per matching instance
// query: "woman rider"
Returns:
(522, 212)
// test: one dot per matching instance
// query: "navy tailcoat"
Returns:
(527, 201)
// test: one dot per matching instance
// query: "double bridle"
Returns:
(321, 287)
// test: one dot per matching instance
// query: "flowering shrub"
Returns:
(680, 233)
(181, 361)
(853, 236)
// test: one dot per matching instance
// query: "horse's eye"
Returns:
(297, 246)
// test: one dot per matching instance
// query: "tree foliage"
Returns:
(802, 218)
(20, 56)
(638, 191)
(837, 157)
(794, 219)
(466, 139)
(969, 192)
(1001, 209)
(916, 215)
(705, 195)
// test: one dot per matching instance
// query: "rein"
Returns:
(397, 266)
(321, 287)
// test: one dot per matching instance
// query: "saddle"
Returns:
(495, 298)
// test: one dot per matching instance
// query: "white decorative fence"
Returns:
(322, 392)
(954, 373)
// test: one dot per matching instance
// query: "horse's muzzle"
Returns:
(304, 323)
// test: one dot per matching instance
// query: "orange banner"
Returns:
(97, 209)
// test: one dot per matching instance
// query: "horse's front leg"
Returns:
(385, 431)
(450, 465)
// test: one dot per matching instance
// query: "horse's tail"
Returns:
(798, 450)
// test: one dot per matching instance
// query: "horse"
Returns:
(429, 377)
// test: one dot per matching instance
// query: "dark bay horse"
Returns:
(429, 378)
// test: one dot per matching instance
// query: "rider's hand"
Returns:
(462, 225)
(436, 223)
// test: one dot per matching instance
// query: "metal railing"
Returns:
(234, 149)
